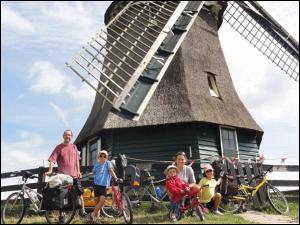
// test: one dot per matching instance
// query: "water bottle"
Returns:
(158, 193)
(33, 196)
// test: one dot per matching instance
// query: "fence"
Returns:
(248, 169)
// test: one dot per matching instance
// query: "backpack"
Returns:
(132, 176)
(120, 165)
(229, 186)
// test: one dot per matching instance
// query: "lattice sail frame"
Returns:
(265, 35)
(118, 54)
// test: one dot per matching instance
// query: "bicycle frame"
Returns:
(194, 202)
(117, 196)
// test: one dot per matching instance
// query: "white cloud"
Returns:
(59, 26)
(46, 78)
(62, 114)
(25, 153)
(11, 19)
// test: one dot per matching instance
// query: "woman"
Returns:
(186, 173)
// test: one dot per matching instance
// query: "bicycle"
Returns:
(15, 205)
(180, 208)
(246, 193)
(148, 188)
(119, 204)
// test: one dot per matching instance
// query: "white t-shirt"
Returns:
(187, 174)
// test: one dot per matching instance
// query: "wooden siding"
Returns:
(161, 143)
(208, 143)
(248, 148)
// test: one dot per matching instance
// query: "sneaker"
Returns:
(216, 211)
(173, 217)
(61, 220)
(82, 213)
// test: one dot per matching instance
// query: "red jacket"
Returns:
(175, 185)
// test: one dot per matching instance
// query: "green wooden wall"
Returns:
(163, 142)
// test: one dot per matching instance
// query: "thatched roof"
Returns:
(183, 93)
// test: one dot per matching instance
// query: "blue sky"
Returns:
(40, 96)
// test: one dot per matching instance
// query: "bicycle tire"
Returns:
(4, 216)
(200, 213)
(230, 205)
(277, 197)
(70, 211)
(127, 211)
(176, 212)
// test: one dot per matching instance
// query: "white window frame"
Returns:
(83, 158)
(214, 91)
(236, 140)
(88, 149)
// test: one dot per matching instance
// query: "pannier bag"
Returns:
(55, 198)
(132, 176)
(145, 177)
(229, 186)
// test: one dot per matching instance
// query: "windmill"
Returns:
(163, 85)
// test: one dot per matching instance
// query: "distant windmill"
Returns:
(163, 84)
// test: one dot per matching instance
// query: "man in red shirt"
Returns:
(67, 157)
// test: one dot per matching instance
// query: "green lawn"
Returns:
(143, 215)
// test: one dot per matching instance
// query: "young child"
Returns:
(103, 171)
(176, 187)
(207, 194)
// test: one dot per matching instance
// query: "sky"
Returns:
(41, 97)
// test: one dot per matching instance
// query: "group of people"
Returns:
(180, 178)
(181, 181)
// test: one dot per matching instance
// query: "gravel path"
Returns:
(264, 218)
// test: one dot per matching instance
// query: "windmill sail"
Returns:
(265, 34)
(127, 58)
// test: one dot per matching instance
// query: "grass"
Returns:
(143, 215)
(293, 210)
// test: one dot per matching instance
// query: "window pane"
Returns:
(231, 135)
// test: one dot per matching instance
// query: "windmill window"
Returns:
(212, 85)
(229, 142)
(93, 153)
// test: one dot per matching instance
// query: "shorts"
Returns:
(78, 187)
(210, 204)
(99, 190)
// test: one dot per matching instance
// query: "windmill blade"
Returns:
(264, 33)
(128, 57)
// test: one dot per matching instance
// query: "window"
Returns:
(212, 85)
(229, 144)
(93, 153)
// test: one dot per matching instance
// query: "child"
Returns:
(103, 170)
(176, 187)
(207, 193)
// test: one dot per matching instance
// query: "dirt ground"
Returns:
(264, 218)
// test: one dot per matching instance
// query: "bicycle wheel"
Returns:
(109, 209)
(277, 199)
(232, 204)
(14, 209)
(200, 213)
(65, 214)
(127, 209)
